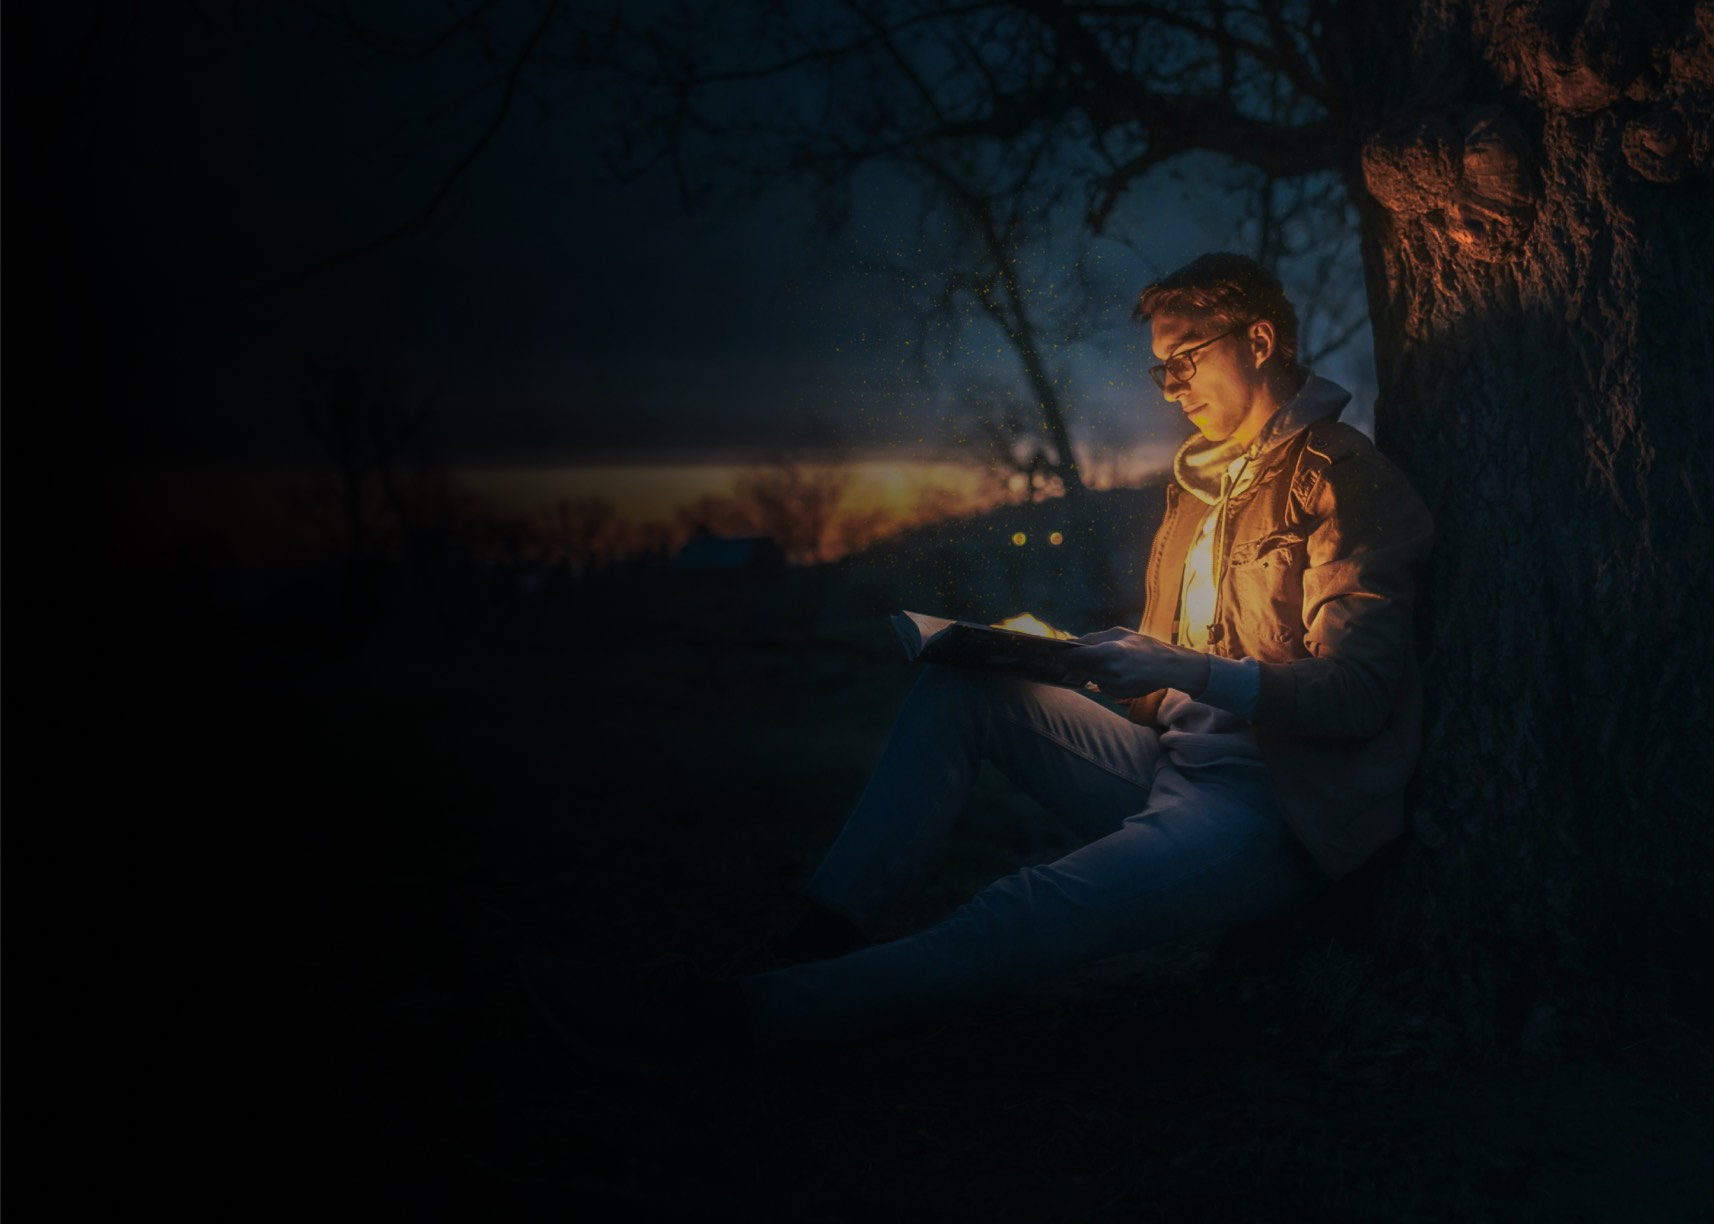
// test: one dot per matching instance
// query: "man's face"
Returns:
(1223, 398)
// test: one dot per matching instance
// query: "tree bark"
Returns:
(1538, 234)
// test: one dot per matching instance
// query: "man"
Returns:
(1272, 699)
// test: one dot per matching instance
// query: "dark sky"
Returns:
(549, 317)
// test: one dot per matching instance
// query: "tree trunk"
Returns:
(1538, 235)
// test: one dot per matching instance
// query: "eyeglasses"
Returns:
(1182, 366)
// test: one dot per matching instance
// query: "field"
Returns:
(615, 800)
(331, 811)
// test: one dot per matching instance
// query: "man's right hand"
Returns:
(1125, 664)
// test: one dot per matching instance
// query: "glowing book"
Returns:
(1033, 655)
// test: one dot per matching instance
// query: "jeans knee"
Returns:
(965, 702)
(957, 686)
(950, 688)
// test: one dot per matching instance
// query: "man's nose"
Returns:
(1175, 388)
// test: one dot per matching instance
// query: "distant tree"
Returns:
(794, 504)
(649, 541)
(718, 514)
(584, 532)
(996, 424)
(365, 431)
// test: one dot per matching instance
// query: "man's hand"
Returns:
(1124, 664)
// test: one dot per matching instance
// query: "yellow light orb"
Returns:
(1018, 538)
(1056, 538)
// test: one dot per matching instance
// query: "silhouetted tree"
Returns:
(365, 431)
(714, 514)
(583, 531)
(794, 504)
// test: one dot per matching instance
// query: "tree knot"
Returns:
(1659, 149)
(1671, 142)
(1483, 184)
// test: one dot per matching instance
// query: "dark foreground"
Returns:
(387, 828)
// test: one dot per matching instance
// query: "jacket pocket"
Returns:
(1269, 551)
(1264, 599)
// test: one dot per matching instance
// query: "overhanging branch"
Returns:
(455, 175)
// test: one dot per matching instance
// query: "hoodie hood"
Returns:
(1201, 465)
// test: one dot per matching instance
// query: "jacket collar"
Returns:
(1200, 464)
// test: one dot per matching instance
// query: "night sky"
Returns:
(213, 165)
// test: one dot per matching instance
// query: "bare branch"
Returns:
(397, 45)
(448, 183)
(1334, 343)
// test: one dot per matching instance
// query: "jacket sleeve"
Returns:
(1369, 531)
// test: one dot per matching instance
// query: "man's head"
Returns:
(1225, 343)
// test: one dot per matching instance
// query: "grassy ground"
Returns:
(614, 804)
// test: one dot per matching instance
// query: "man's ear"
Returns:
(1262, 341)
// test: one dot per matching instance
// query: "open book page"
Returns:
(919, 629)
(935, 639)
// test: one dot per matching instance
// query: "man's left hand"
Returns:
(1125, 664)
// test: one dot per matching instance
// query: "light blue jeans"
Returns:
(1173, 849)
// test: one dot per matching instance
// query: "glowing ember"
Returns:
(1026, 623)
(1056, 538)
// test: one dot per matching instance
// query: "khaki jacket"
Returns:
(1316, 559)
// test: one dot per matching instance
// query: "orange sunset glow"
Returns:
(643, 492)
(596, 514)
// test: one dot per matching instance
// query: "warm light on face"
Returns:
(1226, 396)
